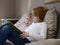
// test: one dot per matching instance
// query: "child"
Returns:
(36, 31)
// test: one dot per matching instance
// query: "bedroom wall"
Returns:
(21, 7)
(7, 9)
(36, 3)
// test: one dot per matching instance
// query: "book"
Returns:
(14, 27)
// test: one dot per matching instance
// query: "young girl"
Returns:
(36, 31)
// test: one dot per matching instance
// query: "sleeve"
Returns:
(44, 31)
(41, 35)
(35, 36)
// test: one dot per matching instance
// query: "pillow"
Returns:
(51, 20)
(46, 42)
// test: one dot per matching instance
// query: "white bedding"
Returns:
(46, 42)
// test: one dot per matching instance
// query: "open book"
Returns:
(12, 26)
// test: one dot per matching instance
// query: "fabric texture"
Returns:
(51, 20)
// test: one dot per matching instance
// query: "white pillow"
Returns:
(51, 20)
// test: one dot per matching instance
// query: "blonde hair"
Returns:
(40, 12)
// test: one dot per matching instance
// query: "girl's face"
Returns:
(35, 18)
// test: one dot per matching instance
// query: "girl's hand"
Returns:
(24, 35)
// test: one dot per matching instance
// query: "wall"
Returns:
(36, 3)
(7, 9)
(21, 7)
(18, 8)
(13, 8)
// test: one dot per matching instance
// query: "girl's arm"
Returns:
(42, 35)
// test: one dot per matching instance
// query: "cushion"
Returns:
(46, 42)
(51, 20)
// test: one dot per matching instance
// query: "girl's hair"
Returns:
(40, 12)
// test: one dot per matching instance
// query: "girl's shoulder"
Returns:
(42, 23)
